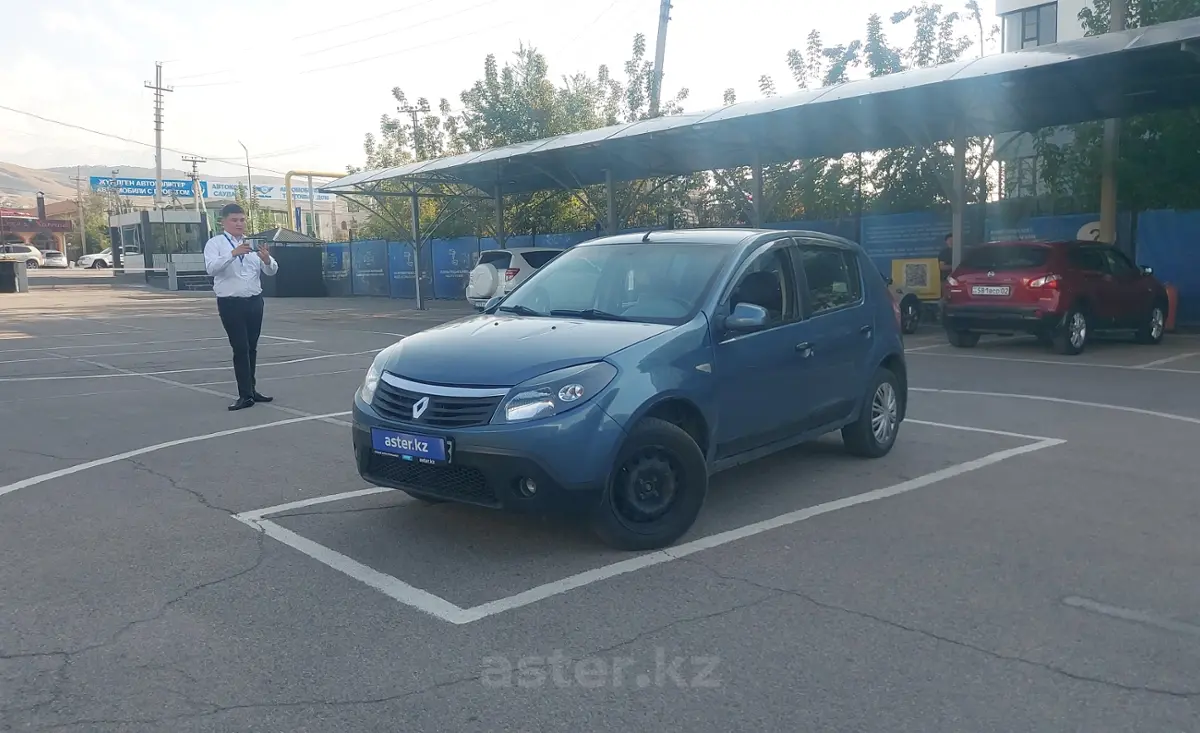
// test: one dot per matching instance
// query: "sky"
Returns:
(300, 83)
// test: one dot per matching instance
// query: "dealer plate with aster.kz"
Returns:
(425, 449)
(990, 290)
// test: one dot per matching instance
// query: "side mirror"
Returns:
(747, 317)
(1147, 270)
(492, 303)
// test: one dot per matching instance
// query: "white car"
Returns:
(498, 271)
(104, 257)
(31, 256)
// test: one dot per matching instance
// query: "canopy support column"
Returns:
(958, 200)
(610, 193)
(757, 212)
(1111, 144)
(414, 204)
(500, 238)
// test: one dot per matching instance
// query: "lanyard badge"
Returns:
(241, 258)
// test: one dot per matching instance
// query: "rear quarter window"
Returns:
(537, 259)
(1007, 257)
(499, 260)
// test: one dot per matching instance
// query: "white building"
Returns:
(1027, 24)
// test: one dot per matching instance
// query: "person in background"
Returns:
(946, 257)
(236, 271)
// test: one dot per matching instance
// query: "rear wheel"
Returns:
(962, 339)
(1154, 327)
(657, 487)
(874, 433)
(31, 264)
(1072, 335)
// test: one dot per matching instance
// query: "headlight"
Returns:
(367, 390)
(555, 392)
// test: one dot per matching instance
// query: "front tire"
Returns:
(1154, 327)
(962, 339)
(875, 431)
(657, 486)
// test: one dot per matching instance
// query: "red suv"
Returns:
(1062, 292)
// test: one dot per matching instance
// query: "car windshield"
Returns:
(1006, 257)
(651, 283)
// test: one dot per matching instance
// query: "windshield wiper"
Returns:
(520, 310)
(590, 313)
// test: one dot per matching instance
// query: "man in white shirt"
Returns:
(236, 270)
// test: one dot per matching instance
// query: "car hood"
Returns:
(503, 350)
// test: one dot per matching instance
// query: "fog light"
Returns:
(527, 487)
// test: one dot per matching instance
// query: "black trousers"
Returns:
(242, 319)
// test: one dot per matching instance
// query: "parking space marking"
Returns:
(1129, 614)
(105, 346)
(1168, 360)
(1054, 362)
(127, 373)
(445, 610)
(1060, 400)
(35, 480)
(150, 353)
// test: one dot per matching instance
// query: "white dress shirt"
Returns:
(235, 277)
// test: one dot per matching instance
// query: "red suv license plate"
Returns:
(990, 290)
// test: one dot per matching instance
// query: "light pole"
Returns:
(249, 182)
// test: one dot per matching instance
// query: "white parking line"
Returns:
(1053, 362)
(440, 608)
(35, 480)
(146, 353)
(1168, 360)
(127, 373)
(1061, 401)
(1129, 614)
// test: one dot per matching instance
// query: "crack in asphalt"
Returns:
(443, 684)
(138, 465)
(1046, 666)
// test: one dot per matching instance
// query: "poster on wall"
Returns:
(369, 268)
(453, 260)
(402, 266)
(337, 269)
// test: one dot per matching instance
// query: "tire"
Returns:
(910, 315)
(99, 265)
(1154, 326)
(31, 264)
(664, 455)
(1071, 337)
(883, 403)
(962, 339)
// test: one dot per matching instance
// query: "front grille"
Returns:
(461, 483)
(396, 404)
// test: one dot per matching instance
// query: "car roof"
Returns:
(519, 250)
(728, 236)
(1043, 243)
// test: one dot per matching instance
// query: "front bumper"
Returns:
(568, 457)
(998, 319)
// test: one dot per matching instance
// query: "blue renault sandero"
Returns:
(616, 380)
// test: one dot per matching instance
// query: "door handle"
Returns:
(804, 348)
(866, 330)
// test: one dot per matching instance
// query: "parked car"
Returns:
(54, 258)
(1062, 292)
(31, 256)
(498, 271)
(616, 379)
(104, 257)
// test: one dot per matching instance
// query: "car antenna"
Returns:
(647, 237)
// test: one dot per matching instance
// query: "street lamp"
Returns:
(249, 182)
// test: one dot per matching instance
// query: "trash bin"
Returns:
(14, 278)
(300, 273)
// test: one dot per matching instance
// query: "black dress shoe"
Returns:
(241, 404)
(262, 398)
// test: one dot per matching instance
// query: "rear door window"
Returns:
(537, 259)
(832, 277)
(499, 260)
(1006, 257)
(1088, 259)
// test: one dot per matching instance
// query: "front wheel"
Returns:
(875, 431)
(657, 487)
(962, 339)
(1154, 327)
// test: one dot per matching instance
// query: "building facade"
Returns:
(1028, 24)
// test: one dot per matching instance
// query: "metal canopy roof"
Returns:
(1113, 75)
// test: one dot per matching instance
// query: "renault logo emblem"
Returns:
(419, 407)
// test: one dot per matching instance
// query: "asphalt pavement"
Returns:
(1025, 559)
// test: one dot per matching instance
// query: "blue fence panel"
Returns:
(369, 268)
(1169, 241)
(1065, 226)
(401, 264)
(905, 236)
(453, 260)
(337, 269)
